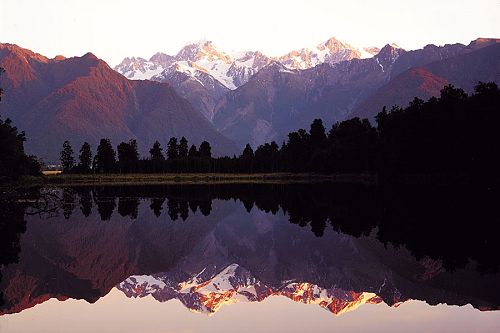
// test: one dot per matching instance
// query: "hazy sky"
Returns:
(113, 29)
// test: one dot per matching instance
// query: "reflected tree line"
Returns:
(14, 206)
(453, 223)
(172, 201)
(12, 225)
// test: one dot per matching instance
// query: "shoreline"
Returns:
(193, 178)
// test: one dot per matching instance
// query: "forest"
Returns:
(453, 134)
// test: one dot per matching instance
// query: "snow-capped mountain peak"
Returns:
(331, 51)
(388, 55)
(202, 50)
(210, 289)
(162, 59)
(235, 69)
(138, 68)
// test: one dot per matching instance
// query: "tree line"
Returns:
(451, 134)
(178, 158)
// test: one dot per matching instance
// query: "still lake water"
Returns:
(252, 258)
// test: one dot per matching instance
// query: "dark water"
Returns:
(266, 257)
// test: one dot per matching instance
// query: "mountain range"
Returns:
(83, 99)
(277, 100)
(234, 69)
(332, 81)
(208, 291)
(228, 99)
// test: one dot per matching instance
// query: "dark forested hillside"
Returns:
(451, 137)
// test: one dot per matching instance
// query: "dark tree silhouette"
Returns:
(156, 152)
(352, 143)
(85, 158)
(317, 134)
(247, 152)
(12, 226)
(193, 151)
(173, 209)
(205, 207)
(246, 159)
(105, 200)
(266, 158)
(105, 157)
(453, 135)
(14, 162)
(183, 209)
(296, 151)
(85, 200)
(67, 159)
(128, 207)
(172, 149)
(157, 161)
(205, 150)
(157, 205)
(128, 156)
(183, 148)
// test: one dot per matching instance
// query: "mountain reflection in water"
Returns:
(336, 246)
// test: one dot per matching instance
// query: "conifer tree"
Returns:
(105, 157)
(85, 157)
(205, 150)
(172, 149)
(183, 148)
(66, 157)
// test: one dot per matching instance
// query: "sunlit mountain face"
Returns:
(234, 284)
(331, 246)
(235, 68)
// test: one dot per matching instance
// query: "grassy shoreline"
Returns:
(194, 178)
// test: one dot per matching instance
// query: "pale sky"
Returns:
(114, 29)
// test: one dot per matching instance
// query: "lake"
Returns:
(250, 258)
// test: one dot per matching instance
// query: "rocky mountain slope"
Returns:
(83, 99)
(277, 100)
(200, 71)
(208, 292)
(466, 66)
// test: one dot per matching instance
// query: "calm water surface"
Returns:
(269, 258)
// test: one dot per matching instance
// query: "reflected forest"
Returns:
(433, 221)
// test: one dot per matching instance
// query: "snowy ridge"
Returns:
(207, 291)
(138, 68)
(235, 69)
